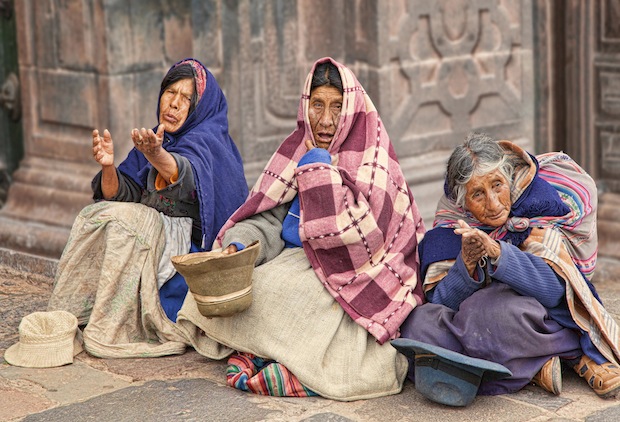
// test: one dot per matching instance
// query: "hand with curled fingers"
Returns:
(148, 142)
(103, 148)
(475, 244)
(231, 249)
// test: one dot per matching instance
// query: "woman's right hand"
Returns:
(103, 148)
(230, 250)
(472, 248)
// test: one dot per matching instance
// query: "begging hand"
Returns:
(475, 244)
(147, 141)
(103, 148)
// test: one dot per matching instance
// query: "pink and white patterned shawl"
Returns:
(359, 225)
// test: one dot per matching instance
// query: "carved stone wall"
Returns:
(434, 69)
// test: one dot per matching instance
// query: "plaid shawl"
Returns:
(567, 242)
(359, 224)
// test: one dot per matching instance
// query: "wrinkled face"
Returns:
(174, 104)
(324, 114)
(488, 198)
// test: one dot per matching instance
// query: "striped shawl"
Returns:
(359, 224)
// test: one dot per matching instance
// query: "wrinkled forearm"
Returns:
(128, 190)
(456, 286)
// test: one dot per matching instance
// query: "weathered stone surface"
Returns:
(66, 384)
(185, 400)
(21, 293)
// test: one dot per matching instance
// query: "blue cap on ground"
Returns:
(447, 377)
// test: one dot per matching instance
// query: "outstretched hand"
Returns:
(147, 141)
(475, 244)
(103, 148)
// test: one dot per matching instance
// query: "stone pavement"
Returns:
(190, 387)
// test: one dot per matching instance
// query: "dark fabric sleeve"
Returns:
(128, 189)
(456, 286)
(265, 227)
(183, 190)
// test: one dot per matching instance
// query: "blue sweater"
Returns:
(527, 274)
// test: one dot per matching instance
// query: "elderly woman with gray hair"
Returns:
(506, 269)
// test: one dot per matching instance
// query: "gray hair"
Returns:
(480, 154)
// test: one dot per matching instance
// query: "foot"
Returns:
(549, 378)
(604, 379)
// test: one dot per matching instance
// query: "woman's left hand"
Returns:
(147, 141)
(491, 247)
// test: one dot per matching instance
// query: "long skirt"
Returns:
(107, 277)
(294, 320)
(497, 324)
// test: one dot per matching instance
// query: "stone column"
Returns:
(83, 65)
(592, 88)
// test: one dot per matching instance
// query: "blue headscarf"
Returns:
(204, 140)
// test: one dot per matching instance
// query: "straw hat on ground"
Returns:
(46, 340)
(221, 284)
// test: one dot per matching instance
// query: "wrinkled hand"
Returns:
(147, 141)
(309, 144)
(475, 244)
(103, 148)
(230, 250)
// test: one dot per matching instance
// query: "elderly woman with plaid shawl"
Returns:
(507, 269)
(338, 269)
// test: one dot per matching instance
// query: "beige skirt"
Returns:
(295, 321)
(107, 278)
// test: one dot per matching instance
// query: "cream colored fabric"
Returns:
(107, 277)
(178, 232)
(295, 321)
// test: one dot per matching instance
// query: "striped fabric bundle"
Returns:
(359, 223)
(263, 376)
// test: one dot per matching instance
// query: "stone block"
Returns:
(132, 103)
(209, 33)
(77, 109)
(324, 24)
(75, 47)
(177, 31)
(44, 27)
(134, 35)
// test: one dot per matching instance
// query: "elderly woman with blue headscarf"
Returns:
(507, 267)
(170, 196)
